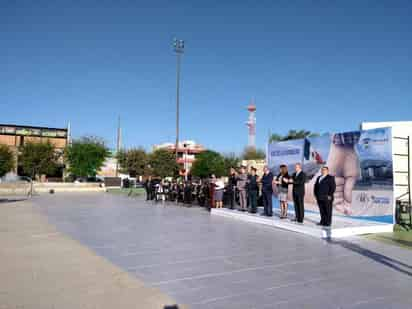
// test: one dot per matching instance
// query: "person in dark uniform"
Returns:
(180, 193)
(173, 191)
(198, 193)
(153, 185)
(325, 187)
(204, 198)
(241, 186)
(267, 191)
(298, 180)
(148, 188)
(253, 190)
(231, 188)
(187, 193)
(212, 186)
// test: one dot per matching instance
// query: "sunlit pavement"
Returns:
(41, 268)
(216, 262)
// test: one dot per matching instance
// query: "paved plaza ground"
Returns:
(97, 250)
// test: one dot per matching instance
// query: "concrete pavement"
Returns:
(43, 268)
(210, 262)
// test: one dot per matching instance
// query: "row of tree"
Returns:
(292, 134)
(137, 161)
(83, 158)
(162, 163)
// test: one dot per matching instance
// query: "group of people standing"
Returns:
(243, 189)
(247, 186)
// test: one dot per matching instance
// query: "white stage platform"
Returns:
(341, 226)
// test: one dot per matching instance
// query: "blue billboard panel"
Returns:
(287, 152)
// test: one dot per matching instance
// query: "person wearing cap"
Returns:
(241, 184)
(252, 189)
(267, 191)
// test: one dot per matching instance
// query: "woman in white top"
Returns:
(219, 187)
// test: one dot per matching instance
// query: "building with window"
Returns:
(15, 136)
(186, 152)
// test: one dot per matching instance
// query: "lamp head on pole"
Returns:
(178, 45)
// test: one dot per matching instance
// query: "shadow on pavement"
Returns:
(8, 200)
(377, 257)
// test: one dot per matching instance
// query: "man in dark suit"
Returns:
(231, 188)
(325, 187)
(267, 191)
(298, 180)
(252, 190)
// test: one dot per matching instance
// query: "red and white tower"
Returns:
(251, 124)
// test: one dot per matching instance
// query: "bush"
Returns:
(207, 163)
(86, 156)
(6, 160)
(38, 158)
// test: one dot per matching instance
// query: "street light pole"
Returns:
(185, 160)
(179, 46)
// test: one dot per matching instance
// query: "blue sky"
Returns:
(318, 65)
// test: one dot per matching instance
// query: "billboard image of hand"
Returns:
(343, 163)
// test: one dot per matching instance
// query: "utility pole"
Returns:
(178, 46)
(69, 134)
(118, 145)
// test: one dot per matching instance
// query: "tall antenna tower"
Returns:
(119, 136)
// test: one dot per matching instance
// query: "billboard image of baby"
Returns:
(361, 162)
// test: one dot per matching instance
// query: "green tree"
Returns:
(6, 160)
(231, 160)
(251, 153)
(38, 159)
(121, 157)
(274, 137)
(292, 134)
(86, 156)
(163, 163)
(133, 161)
(209, 162)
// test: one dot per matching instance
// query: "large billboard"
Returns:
(361, 162)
